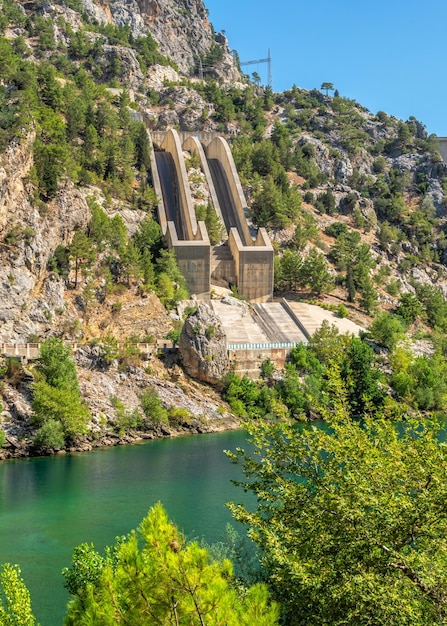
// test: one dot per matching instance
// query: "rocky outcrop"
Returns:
(29, 234)
(180, 27)
(203, 346)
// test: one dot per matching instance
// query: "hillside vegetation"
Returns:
(354, 204)
(350, 525)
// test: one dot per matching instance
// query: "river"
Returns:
(50, 505)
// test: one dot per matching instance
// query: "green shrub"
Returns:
(179, 416)
(50, 436)
(63, 405)
(342, 311)
(14, 372)
(153, 407)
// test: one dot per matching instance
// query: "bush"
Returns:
(50, 436)
(387, 329)
(342, 311)
(153, 407)
(179, 416)
(14, 372)
(63, 405)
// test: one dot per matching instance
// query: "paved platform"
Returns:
(239, 327)
(270, 322)
(312, 316)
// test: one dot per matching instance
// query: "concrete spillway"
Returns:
(170, 191)
(277, 323)
(226, 202)
(251, 262)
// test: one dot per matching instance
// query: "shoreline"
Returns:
(16, 450)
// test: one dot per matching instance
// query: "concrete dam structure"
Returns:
(244, 258)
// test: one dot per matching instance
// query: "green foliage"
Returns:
(109, 349)
(153, 407)
(315, 273)
(15, 601)
(83, 253)
(434, 304)
(342, 311)
(60, 261)
(409, 308)
(214, 226)
(387, 329)
(153, 576)
(267, 368)
(360, 377)
(305, 229)
(274, 206)
(56, 366)
(124, 419)
(63, 405)
(13, 371)
(170, 284)
(420, 381)
(288, 270)
(350, 520)
(242, 394)
(179, 416)
(50, 436)
(56, 396)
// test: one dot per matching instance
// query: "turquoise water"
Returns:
(50, 505)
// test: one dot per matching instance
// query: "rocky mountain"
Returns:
(354, 201)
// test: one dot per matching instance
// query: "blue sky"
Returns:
(386, 55)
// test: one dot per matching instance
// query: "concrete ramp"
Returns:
(278, 324)
(187, 237)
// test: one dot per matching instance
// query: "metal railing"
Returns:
(263, 346)
(32, 350)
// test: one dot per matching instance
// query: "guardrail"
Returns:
(274, 345)
(32, 350)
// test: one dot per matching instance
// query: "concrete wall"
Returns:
(219, 149)
(171, 144)
(193, 256)
(204, 136)
(157, 188)
(253, 258)
(254, 267)
(193, 145)
(249, 361)
(193, 259)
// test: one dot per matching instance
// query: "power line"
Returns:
(267, 60)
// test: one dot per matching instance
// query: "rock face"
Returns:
(29, 297)
(203, 346)
(180, 27)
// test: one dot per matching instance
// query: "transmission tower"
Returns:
(267, 60)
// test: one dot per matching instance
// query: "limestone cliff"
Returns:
(180, 27)
(30, 296)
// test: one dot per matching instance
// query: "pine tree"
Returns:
(154, 577)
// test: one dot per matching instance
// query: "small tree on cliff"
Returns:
(327, 87)
(57, 403)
